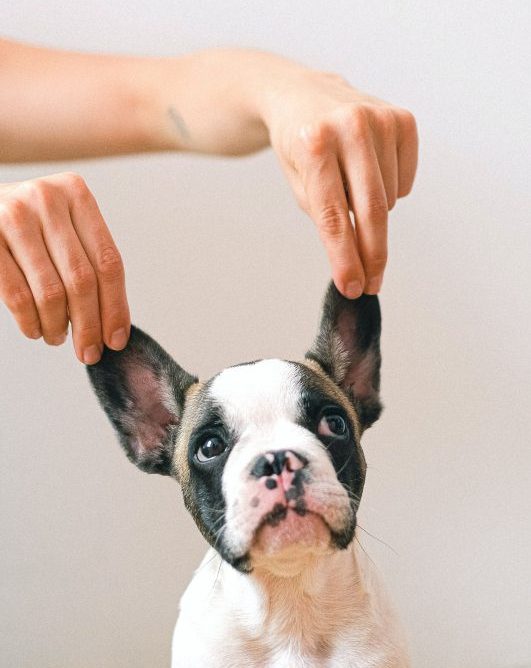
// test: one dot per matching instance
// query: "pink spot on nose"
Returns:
(286, 479)
(293, 463)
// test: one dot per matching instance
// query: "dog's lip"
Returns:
(267, 521)
(293, 528)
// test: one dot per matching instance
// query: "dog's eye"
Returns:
(211, 448)
(333, 425)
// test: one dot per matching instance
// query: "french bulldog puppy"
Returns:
(268, 457)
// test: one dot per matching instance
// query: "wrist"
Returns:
(270, 78)
(213, 101)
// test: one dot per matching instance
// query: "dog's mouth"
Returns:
(287, 525)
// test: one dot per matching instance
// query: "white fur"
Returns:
(308, 605)
(232, 620)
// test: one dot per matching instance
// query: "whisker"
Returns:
(346, 463)
(217, 575)
(378, 539)
(366, 553)
(207, 562)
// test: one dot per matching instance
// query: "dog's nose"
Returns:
(276, 461)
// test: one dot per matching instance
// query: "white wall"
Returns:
(94, 554)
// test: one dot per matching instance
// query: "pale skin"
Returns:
(341, 150)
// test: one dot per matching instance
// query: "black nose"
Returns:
(275, 461)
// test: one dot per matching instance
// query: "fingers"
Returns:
(330, 138)
(58, 262)
(408, 147)
(77, 276)
(384, 134)
(369, 200)
(107, 265)
(372, 151)
(24, 239)
(328, 207)
(16, 295)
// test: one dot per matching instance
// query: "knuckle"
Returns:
(42, 193)
(76, 185)
(376, 208)
(19, 301)
(47, 194)
(316, 138)
(82, 280)
(331, 221)
(89, 331)
(387, 123)
(109, 264)
(355, 119)
(407, 120)
(376, 264)
(13, 213)
(51, 294)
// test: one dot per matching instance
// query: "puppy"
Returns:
(269, 460)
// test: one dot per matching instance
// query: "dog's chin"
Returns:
(286, 542)
(290, 538)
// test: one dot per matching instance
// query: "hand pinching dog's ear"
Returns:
(347, 348)
(142, 390)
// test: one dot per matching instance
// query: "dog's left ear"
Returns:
(347, 348)
(142, 390)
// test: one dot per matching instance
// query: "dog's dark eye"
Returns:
(333, 425)
(211, 448)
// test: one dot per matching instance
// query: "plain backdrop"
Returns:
(222, 267)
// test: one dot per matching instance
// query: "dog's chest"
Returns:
(228, 620)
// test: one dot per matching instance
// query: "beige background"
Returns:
(223, 267)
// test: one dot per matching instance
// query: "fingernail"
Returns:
(354, 290)
(36, 334)
(374, 285)
(91, 354)
(58, 340)
(118, 339)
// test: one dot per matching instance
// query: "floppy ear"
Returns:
(142, 390)
(347, 347)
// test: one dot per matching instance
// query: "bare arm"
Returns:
(58, 105)
(340, 149)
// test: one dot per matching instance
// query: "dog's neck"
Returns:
(330, 610)
(313, 597)
(306, 600)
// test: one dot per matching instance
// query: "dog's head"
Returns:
(267, 453)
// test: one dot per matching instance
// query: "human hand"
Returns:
(59, 263)
(343, 150)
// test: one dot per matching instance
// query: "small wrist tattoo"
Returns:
(178, 122)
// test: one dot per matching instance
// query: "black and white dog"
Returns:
(269, 460)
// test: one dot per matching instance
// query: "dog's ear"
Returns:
(347, 348)
(142, 390)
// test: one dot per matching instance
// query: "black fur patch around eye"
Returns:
(346, 454)
(203, 493)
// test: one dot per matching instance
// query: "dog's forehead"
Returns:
(258, 392)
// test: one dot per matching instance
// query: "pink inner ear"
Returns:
(359, 367)
(359, 376)
(346, 328)
(154, 406)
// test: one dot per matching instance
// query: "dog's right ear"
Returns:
(142, 390)
(347, 348)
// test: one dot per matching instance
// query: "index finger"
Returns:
(329, 209)
(106, 261)
(369, 203)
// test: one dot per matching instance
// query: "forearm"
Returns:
(61, 105)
